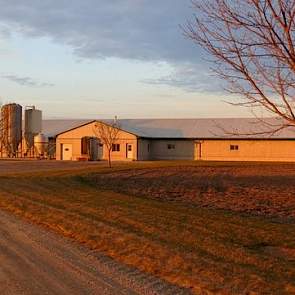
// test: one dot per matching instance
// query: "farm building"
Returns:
(143, 139)
(177, 139)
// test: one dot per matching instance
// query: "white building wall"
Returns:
(183, 149)
(248, 150)
(74, 136)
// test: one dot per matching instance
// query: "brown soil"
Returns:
(267, 190)
(165, 219)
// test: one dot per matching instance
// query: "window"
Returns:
(171, 146)
(115, 147)
(234, 147)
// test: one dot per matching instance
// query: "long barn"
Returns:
(176, 139)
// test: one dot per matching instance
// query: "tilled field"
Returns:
(264, 190)
(165, 219)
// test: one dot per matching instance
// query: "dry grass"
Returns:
(210, 250)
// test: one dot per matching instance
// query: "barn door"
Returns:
(129, 148)
(67, 152)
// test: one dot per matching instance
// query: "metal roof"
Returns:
(206, 128)
(51, 128)
(186, 128)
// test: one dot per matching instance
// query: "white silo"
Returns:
(40, 145)
(11, 129)
(33, 125)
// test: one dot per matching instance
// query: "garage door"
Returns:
(67, 152)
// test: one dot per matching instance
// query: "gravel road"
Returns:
(36, 261)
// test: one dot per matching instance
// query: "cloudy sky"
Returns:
(101, 58)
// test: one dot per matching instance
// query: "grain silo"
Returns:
(33, 125)
(41, 145)
(11, 125)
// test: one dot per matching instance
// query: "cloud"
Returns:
(143, 30)
(190, 78)
(26, 81)
(133, 29)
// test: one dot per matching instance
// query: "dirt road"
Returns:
(34, 261)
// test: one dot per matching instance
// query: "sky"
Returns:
(106, 58)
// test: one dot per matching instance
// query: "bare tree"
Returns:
(252, 45)
(108, 134)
